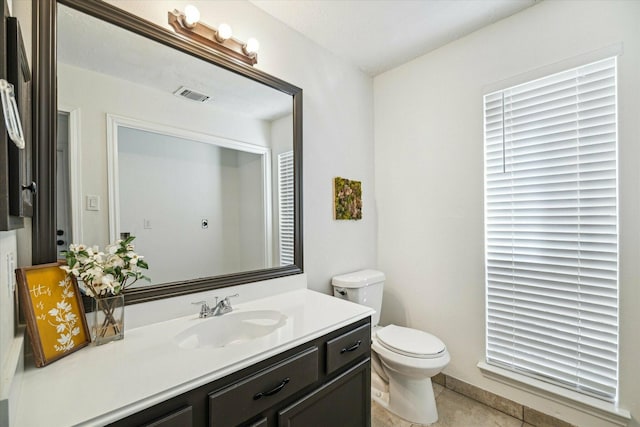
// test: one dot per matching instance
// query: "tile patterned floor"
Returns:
(454, 410)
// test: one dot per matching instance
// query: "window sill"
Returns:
(587, 404)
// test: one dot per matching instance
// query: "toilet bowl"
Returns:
(403, 359)
(407, 359)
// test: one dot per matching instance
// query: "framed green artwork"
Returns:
(347, 196)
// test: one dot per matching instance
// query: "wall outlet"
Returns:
(205, 223)
(11, 274)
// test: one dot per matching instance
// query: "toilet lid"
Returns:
(410, 342)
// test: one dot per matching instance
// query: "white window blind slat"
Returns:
(534, 318)
(536, 344)
(286, 205)
(552, 229)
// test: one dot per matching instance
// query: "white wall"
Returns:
(8, 249)
(429, 178)
(338, 129)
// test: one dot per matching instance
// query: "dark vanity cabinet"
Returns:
(325, 382)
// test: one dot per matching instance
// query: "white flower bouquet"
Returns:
(105, 273)
(104, 276)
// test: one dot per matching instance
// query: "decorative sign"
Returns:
(347, 198)
(53, 310)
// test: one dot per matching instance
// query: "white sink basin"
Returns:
(230, 329)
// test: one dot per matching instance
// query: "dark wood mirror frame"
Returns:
(45, 107)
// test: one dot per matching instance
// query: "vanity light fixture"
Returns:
(251, 47)
(191, 16)
(188, 24)
(223, 33)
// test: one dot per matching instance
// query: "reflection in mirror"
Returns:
(185, 155)
(214, 201)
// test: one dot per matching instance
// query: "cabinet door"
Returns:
(344, 402)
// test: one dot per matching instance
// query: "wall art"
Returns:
(53, 310)
(347, 199)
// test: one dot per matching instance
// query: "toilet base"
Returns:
(378, 383)
(408, 398)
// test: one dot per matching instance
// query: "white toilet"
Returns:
(403, 359)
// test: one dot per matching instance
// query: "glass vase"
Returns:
(108, 319)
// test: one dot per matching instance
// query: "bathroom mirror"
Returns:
(141, 151)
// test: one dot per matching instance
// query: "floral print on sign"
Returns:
(64, 319)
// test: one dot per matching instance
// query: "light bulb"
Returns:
(252, 46)
(191, 15)
(224, 32)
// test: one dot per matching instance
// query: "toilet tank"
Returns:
(362, 287)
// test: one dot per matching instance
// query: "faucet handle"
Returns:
(204, 307)
(199, 302)
(231, 296)
(226, 301)
(225, 304)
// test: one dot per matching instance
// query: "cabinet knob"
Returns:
(33, 187)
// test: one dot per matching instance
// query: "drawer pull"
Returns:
(272, 391)
(352, 348)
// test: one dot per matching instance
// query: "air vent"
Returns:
(192, 95)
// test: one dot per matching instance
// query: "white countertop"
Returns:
(98, 385)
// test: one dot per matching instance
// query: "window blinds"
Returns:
(286, 214)
(551, 229)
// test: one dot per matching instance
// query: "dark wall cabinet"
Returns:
(16, 188)
(325, 382)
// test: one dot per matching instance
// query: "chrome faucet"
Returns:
(224, 306)
(221, 307)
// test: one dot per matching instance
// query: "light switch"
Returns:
(146, 224)
(93, 203)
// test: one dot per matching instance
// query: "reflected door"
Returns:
(63, 202)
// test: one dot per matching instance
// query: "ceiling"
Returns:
(378, 35)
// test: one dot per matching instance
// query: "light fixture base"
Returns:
(207, 36)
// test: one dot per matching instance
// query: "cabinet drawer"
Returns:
(182, 417)
(348, 347)
(247, 398)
